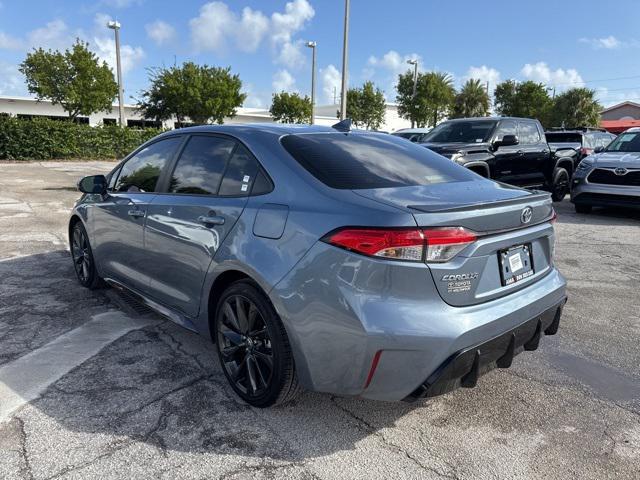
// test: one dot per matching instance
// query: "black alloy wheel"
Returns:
(560, 186)
(82, 256)
(253, 347)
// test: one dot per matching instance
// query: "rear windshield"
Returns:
(357, 161)
(461, 132)
(563, 137)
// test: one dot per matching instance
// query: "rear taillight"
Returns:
(586, 151)
(411, 244)
(444, 243)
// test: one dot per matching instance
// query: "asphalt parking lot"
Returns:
(147, 399)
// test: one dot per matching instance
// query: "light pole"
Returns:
(115, 26)
(312, 46)
(415, 82)
(345, 59)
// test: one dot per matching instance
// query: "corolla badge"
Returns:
(526, 215)
(620, 171)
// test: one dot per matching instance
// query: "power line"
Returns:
(601, 80)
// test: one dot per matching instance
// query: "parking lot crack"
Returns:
(177, 346)
(26, 470)
(374, 431)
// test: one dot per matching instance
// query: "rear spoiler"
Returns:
(535, 196)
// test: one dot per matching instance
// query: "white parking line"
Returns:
(25, 378)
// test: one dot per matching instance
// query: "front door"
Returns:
(119, 220)
(205, 195)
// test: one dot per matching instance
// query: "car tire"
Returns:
(560, 186)
(253, 347)
(82, 256)
(583, 208)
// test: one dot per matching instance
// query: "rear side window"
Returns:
(528, 133)
(563, 137)
(356, 161)
(201, 165)
(240, 174)
(141, 172)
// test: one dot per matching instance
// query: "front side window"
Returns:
(358, 161)
(141, 172)
(507, 127)
(460, 132)
(201, 165)
(528, 133)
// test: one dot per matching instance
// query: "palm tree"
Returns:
(576, 107)
(472, 100)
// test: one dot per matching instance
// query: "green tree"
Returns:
(290, 108)
(366, 106)
(471, 101)
(434, 97)
(74, 79)
(202, 93)
(576, 107)
(526, 99)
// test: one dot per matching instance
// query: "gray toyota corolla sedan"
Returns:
(345, 262)
(610, 177)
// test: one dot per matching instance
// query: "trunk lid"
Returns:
(492, 210)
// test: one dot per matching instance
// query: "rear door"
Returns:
(203, 199)
(119, 220)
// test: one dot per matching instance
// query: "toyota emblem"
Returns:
(526, 215)
(620, 171)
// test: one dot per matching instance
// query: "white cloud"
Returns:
(484, 74)
(560, 78)
(55, 35)
(255, 99)
(394, 62)
(121, 3)
(11, 81)
(331, 83)
(283, 81)
(160, 32)
(609, 42)
(9, 43)
(217, 26)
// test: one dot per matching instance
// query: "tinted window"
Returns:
(506, 128)
(563, 137)
(201, 164)
(141, 172)
(528, 133)
(240, 173)
(356, 161)
(463, 132)
(626, 142)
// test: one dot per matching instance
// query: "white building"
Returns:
(28, 107)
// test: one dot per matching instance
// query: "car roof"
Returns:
(413, 130)
(632, 130)
(273, 128)
(487, 119)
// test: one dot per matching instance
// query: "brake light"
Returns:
(411, 244)
(586, 151)
(399, 244)
(554, 215)
(445, 243)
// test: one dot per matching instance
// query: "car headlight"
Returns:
(458, 157)
(584, 166)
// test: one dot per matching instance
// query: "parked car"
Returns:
(611, 176)
(413, 134)
(511, 150)
(584, 140)
(345, 262)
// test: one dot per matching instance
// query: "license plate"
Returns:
(516, 264)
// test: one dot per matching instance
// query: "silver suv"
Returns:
(345, 262)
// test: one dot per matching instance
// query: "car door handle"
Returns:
(136, 212)
(520, 152)
(211, 220)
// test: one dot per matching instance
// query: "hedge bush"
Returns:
(46, 139)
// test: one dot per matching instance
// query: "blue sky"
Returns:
(559, 43)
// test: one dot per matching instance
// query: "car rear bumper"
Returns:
(605, 195)
(341, 309)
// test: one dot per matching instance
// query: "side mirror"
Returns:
(93, 184)
(507, 141)
(598, 149)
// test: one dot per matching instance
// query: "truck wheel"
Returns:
(583, 208)
(560, 186)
